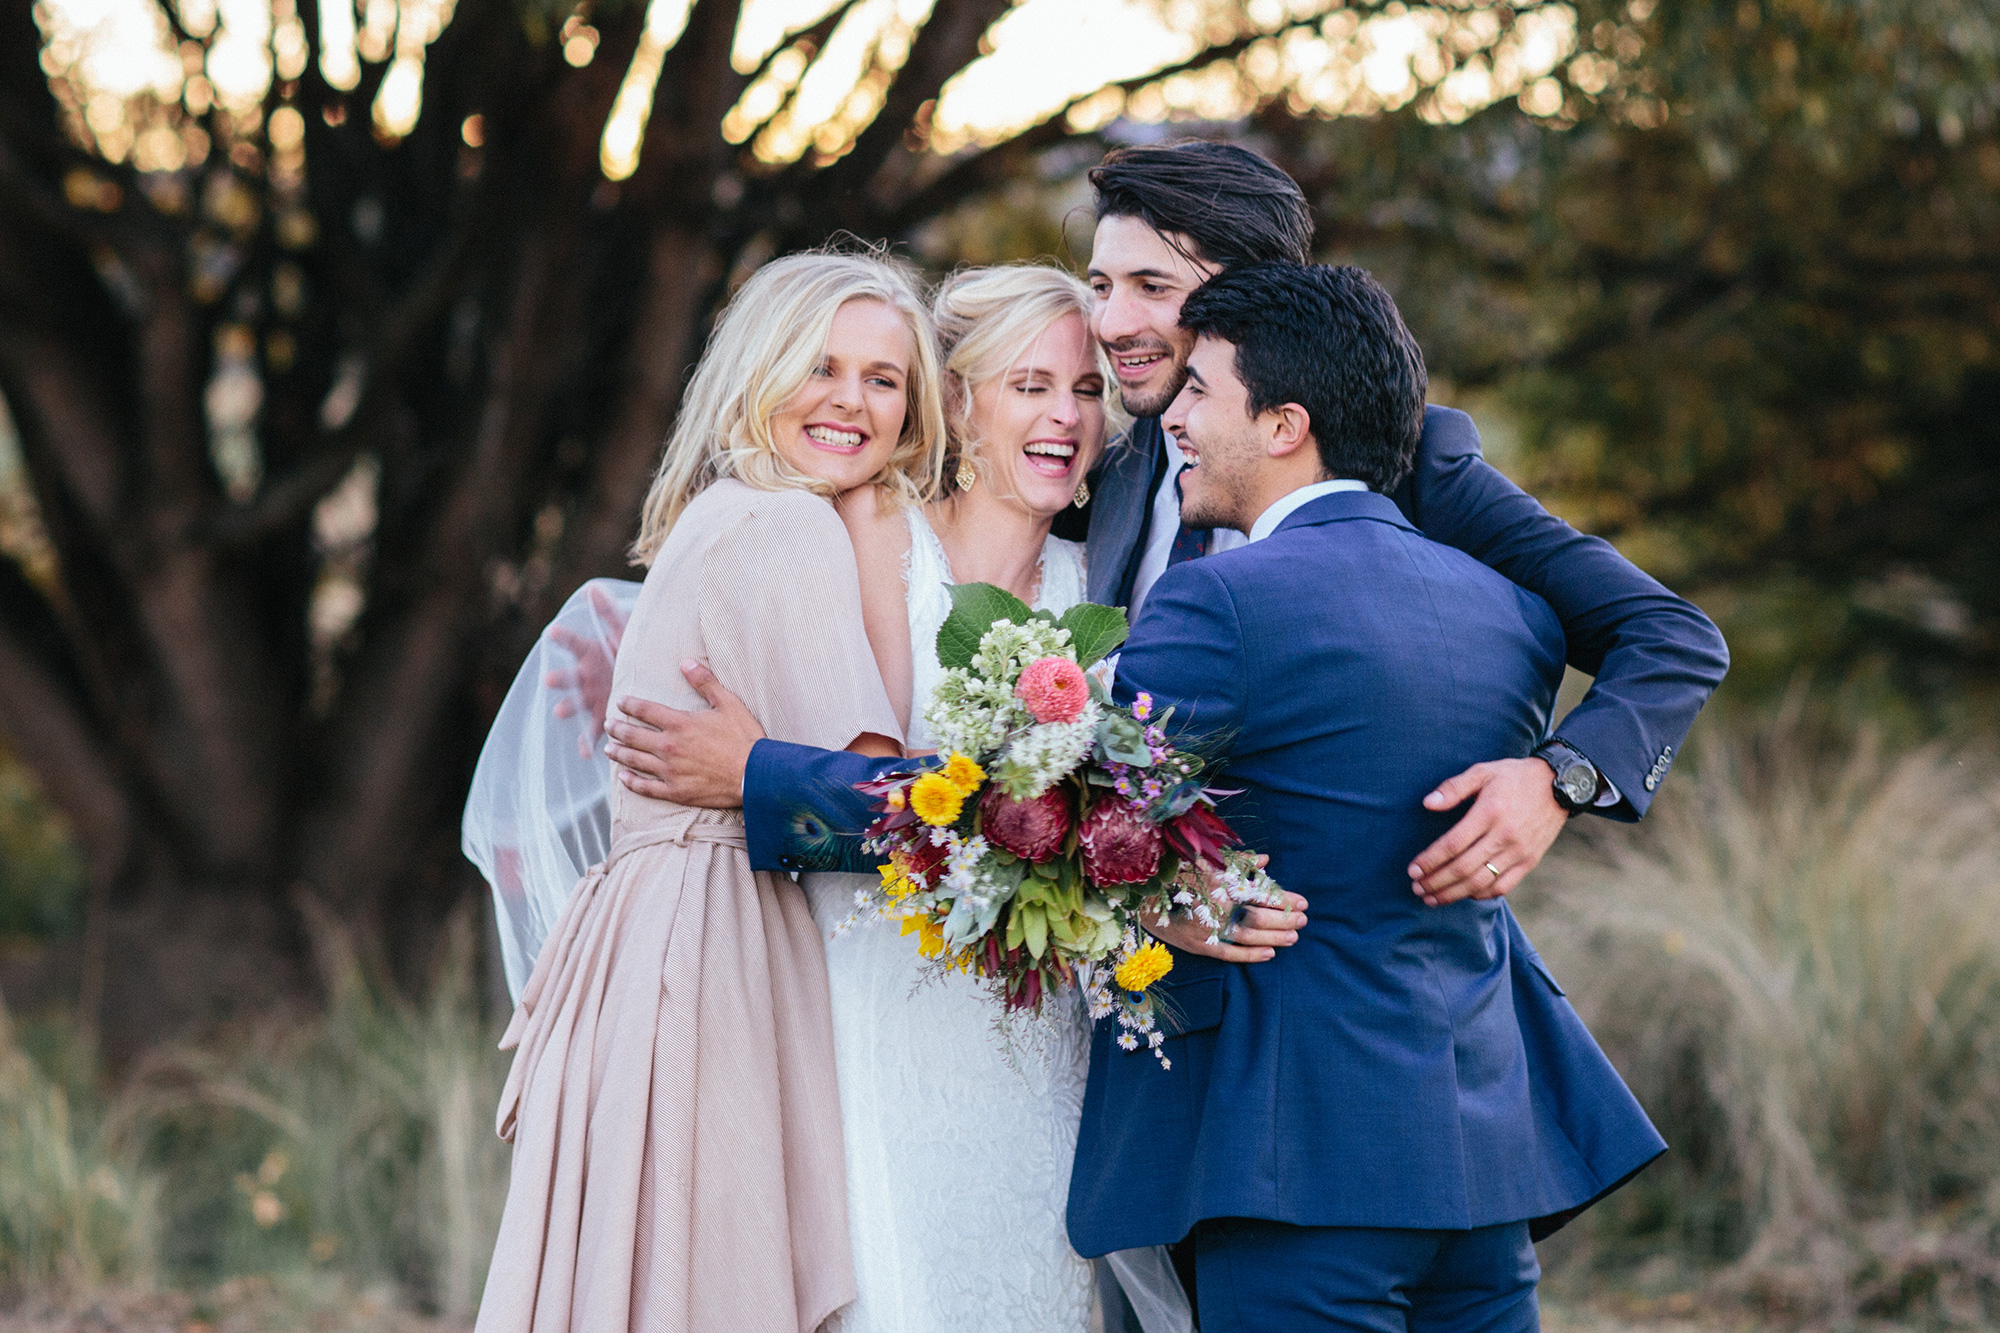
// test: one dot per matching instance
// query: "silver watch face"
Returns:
(1578, 782)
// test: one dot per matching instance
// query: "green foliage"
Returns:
(1796, 964)
(76, 1208)
(41, 874)
(1094, 631)
(1742, 298)
(360, 1143)
(974, 608)
(354, 1147)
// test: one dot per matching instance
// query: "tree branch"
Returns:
(49, 725)
(946, 44)
(987, 166)
(816, 33)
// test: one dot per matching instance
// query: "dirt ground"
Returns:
(260, 1306)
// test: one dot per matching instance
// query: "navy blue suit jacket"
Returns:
(1395, 1067)
(1656, 658)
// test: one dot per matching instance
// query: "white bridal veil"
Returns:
(538, 815)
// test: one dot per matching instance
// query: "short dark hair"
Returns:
(1236, 205)
(1330, 340)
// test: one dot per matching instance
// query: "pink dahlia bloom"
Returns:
(1054, 689)
(1032, 829)
(1120, 845)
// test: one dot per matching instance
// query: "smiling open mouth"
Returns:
(1051, 458)
(835, 437)
(1138, 364)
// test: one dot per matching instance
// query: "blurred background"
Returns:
(336, 346)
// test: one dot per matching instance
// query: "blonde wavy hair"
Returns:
(769, 339)
(986, 317)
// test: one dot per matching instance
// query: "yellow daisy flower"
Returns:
(1146, 966)
(936, 799)
(961, 772)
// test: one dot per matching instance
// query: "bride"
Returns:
(958, 1149)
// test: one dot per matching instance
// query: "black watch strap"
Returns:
(1577, 781)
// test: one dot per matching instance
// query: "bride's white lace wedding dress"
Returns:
(958, 1153)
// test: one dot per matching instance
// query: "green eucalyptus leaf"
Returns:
(1122, 739)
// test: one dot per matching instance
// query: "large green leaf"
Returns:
(1094, 631)
(974, 608)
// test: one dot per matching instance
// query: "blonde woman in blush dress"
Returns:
(958, 1149)
(678, 1159)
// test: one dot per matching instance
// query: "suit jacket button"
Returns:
(1652, 781)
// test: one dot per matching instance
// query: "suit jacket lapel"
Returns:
(1121, 510)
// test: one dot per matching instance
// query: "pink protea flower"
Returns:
(1032, 830)
(1120, 845)
(1054, 689)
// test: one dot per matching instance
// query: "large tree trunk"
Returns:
(506, 342)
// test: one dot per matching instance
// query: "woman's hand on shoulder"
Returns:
(875, 524)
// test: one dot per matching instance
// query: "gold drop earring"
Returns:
(1082, 494)
(966, 478)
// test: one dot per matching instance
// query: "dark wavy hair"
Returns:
(1236, 205)
(1329, 339)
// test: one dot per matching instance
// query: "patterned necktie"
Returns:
(1189, 543)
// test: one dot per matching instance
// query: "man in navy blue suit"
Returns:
(1169, 217)
(1368, 1131)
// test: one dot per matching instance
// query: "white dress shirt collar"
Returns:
(1282, 509)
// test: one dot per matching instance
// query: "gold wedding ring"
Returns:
(1496, 873)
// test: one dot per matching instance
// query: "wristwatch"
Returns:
(1577, 779)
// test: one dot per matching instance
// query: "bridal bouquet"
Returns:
(1056, 822)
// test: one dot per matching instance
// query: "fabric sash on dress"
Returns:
(683, 827)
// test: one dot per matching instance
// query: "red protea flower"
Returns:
(925, 858)
(1032, 829)
(1120, 845)
(1199, 834)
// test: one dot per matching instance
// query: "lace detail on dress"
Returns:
(958, 1153)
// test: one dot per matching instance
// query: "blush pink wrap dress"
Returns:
(673, 1105)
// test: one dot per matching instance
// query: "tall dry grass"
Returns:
(353, 1146)
(1795, 961)
(77, 1210)
(1796, 964)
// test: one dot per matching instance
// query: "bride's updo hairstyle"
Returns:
(767, 342)
(986, 318)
